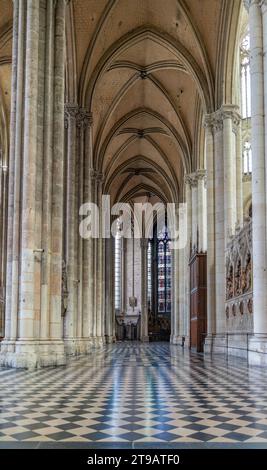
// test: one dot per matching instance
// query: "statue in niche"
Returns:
(248, 273)
(64, 290)
(133, 301)
(243, 281)
(238, 280)
(250, 306)
(230, 284)
(227, 312)
(234, 310)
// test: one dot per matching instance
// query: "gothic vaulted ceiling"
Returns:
(148, 71)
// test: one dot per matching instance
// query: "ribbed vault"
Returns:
(147, 70)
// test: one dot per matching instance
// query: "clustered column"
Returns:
(258, 66)
(176, 310)
(223, 209)
(33, 329)
(3, 217)
(144, 306)
(77, 254)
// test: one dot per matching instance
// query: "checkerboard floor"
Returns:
(136, 393)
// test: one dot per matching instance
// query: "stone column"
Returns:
(231, 120)
(258, 65)
(99, 272)
(109, 295)
(176, 307)
(192, 181)
(219, 224)
(187, 255)
(57, 202)
(31, 340)
(3, 240)
(201, 210)
(239, 175)
(88, 245)
(47, 173)
(71, 320)
(214, 124)
(181, 292)
(84, 122)
(211, 306)
(144, 306)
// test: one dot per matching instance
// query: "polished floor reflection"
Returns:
(136, 393)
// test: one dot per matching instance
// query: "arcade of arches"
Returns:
(145, 101)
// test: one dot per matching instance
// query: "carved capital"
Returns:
(230, 111)
(84, 118)
(208, 121)
(214, 121)
(201, 174)
(191, 180)
(249, 3)
(71, 111)
(96, 175)
(246, 4)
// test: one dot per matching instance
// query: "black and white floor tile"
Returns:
(136, 393)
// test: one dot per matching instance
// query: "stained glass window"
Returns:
(149, 274)
(164, 272)
(118, 270)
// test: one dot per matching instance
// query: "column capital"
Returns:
(84, 118)
(96, 175)
(71, 109)
(249, 3)
(231, 111)
(214, 121)
(70, 113)
(191, 180)
(201, 174)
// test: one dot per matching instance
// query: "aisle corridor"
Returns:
(135, 394)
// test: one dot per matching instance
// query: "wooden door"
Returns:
(198, 300)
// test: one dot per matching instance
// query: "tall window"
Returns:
(159, 276)
(118, 270)
(149, 274)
